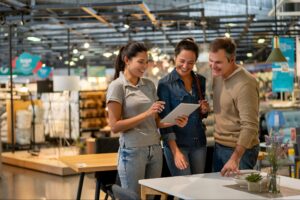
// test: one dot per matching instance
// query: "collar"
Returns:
(127, 83)
(234, 72)
(174, 76)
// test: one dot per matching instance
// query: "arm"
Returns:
(232, 165)
(179, 159)
(118, 124)
(168, 133)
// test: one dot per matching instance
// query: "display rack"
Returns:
(92, 115)
(18, 105)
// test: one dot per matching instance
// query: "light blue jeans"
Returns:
(222, 154)
(195, 156)
(137, 163)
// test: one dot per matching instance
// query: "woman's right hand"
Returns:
(156, 107)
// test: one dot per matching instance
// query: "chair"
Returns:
(104, 180)
(123, 194)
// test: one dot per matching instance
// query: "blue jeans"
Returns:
(195, 156)
(137, 163)
(222, 154)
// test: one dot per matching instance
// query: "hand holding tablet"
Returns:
(180, 110)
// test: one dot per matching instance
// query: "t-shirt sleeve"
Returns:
(115, 92)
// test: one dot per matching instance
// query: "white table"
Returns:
(206, 186)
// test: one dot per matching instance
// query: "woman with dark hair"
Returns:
(184, 147)
(132, 111)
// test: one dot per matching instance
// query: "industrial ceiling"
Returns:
(63, 25)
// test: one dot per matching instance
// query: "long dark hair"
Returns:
(130, 50)
(187, 44)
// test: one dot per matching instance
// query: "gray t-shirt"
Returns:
(135, 99)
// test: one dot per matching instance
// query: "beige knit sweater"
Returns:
(236, 104)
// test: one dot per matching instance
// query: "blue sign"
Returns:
(44, 72)
(26, 63)
(283, 73)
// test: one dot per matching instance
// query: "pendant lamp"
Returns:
(276, 54)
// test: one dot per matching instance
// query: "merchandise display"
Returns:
(92, 111)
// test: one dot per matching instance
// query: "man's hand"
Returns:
(230, 168)
(232, 165)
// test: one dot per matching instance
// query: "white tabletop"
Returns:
(209, 186)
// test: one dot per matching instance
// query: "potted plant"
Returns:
(253, 180)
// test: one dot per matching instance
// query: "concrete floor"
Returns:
(20, 183)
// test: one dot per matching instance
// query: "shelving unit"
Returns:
(91, 111)
(18, 105)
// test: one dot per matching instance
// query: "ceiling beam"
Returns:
(62, 6)
(147, 12)
(93, 13)
(15, 3)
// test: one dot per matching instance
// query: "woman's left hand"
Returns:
(204, 106)
(181, 121)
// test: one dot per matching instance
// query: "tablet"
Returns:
(181, 109)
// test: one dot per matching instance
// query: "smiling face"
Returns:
(220, 64)
(185, 62)
(137, 65)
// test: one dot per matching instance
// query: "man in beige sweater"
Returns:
(235, 102)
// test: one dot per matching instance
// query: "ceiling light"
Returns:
(249, 55)
(60, 57)
(116, 52)
(261, 40)
(81, 57)
(231, 24)
(276, 55)
(227, 35)
(75, 59)
(107, 54)
(33, 39)
(72, 63)
(86, 45)
(155, 71)
(75, 51)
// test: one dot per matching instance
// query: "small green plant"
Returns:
(254, 177)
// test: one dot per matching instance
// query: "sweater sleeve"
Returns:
(248, 105)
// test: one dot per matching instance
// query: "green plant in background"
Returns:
(81, 144)
(254, 177)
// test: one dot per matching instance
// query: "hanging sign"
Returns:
(283, 73)
(298, 55)
(44, 72)
(4, 71)
(94, 71)
(26, 64)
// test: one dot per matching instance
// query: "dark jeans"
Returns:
(195, 156)
(222, 154)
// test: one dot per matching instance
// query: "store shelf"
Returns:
(91, 111)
